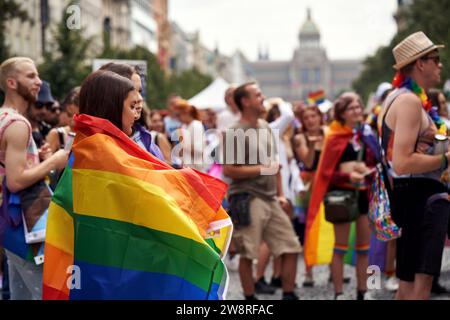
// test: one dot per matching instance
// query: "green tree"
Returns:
(156, 83)
(9, 9)
(159, 87)
(429, 16)
(65, 64)
(188, 83)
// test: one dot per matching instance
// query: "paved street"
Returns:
(323, 290)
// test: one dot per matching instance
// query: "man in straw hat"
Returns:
(420, 204)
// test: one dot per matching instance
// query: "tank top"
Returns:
(424, 142)
(7, 117)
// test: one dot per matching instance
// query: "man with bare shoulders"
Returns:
(21, 167)
(420, 204)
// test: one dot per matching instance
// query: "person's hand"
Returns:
(361, 167)
(286, 206)
(314, 140)
(60, 159)
(356, 177)
(271, 169)
(45, 152)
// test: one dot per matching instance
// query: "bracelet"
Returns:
(444, 162)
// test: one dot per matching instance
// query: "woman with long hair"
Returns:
(308, 145)
(348, 156)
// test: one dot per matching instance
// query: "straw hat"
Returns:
(412, 48)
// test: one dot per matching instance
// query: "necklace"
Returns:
(400, 81)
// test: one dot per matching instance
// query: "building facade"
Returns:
(143, 28)
(161, 14)
(309, 70)
(120, 24)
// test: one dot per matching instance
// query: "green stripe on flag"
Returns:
(123, 245)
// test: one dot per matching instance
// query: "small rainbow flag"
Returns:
(316, 98)
(124, 225)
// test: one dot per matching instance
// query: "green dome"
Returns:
(309, 27)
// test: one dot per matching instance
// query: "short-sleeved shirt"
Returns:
(257, 148)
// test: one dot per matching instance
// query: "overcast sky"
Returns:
(349, 28)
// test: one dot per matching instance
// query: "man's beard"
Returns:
(25, 93)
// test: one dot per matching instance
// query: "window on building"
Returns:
(317, 75)
(304, 75)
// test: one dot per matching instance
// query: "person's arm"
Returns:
(305, 152)
(18, 176)
(165, 147)
(407, 125)
(53, 140)
(286, 117)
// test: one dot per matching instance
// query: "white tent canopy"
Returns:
(212, 97)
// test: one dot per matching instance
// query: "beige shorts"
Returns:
(269, 223)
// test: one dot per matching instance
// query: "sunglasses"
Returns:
(436, 59)
(47, 105)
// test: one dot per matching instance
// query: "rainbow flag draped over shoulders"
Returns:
(124, 225)
(319, 234)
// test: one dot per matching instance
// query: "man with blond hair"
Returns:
(20, 168)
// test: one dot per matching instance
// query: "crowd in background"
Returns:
(284, 199)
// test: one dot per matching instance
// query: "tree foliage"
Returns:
(159, 87)
(65, 64)
(9, 10)
(429, 16)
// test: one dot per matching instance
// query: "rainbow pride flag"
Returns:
(319, 233)
(316, 97)
(124, 225)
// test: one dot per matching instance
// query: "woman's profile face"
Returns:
(129, 111)
(136, 79)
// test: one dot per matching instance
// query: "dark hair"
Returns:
(273, 113)
(241, 92)
(433, 95)
(122, 69)
(143, 118)
(102, 95)
(73, 97)
(341, 104)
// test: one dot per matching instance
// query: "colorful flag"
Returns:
(124, 225)
(316, 97)
(319, 233)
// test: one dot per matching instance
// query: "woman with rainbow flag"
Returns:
(122, 223)
(339, 169)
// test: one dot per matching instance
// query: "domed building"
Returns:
(309, 69)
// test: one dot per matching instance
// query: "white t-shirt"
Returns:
(226, 119)
(194, 139)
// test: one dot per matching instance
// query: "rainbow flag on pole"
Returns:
(124, 225)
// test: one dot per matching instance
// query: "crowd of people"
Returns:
(279, 179)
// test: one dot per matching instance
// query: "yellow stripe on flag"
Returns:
(151, 207)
